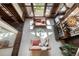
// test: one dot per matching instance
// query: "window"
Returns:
(50, 4)
(48, 9)
(7, 38)
(39, 4)
(29, 9)
(7, 35)
(39, 9)
(69, 4)
(63, 9)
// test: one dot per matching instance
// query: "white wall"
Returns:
(17, 8)
(7, 26)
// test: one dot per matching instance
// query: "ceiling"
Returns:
(38, 9)
(47, 9)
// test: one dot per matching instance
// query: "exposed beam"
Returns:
(10, 20)
(13, 11)
(9, 14)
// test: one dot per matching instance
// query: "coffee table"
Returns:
(40, 50)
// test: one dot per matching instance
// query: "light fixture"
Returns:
(71, 21)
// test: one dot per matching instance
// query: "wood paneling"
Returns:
(5, 16)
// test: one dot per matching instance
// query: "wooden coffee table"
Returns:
(37, 51)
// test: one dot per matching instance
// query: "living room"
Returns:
(43, 29)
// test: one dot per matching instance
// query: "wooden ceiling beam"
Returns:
(5, 16)
(11, 9)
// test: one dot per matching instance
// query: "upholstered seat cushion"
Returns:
(35, 42)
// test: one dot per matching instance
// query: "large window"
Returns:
(48, 9)
(8, 36)
(29, 9)
(44, 9)
(39, 9)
